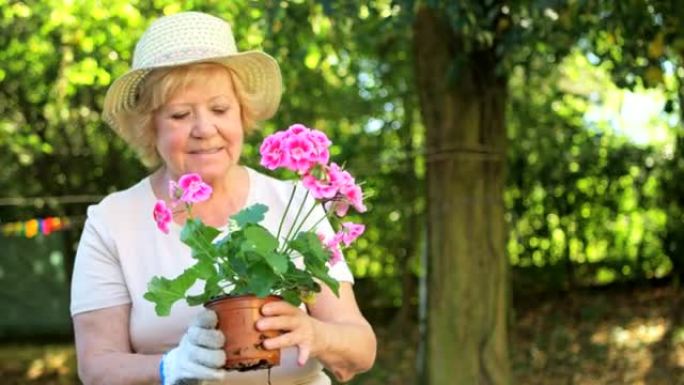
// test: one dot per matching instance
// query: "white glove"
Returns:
(199, 356)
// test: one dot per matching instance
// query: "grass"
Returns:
(589, 338)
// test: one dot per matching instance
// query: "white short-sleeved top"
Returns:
(121, 250)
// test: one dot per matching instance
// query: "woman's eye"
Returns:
(179, 115)
(220, 110)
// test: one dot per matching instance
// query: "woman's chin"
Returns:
(209, 171)
(212, 174)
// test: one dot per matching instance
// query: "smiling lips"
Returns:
(206, 151)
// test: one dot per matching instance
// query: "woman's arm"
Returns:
(104, 352)
(336, 332)
(347, 339)
(105, 356)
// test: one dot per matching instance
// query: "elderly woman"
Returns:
(185, 107)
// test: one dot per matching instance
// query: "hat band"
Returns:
(184, 55)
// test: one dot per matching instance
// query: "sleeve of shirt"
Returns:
(97, 281)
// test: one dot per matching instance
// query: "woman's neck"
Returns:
(229, 195)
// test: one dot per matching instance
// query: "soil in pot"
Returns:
(237, 316)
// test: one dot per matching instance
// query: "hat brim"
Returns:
(258, 72)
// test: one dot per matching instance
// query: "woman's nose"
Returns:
(204, 125)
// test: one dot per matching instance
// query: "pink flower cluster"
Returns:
(336, 186)
(347, 235)
(306, 151)
(299, 149)
(189, 189)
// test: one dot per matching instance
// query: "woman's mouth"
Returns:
(206, 151)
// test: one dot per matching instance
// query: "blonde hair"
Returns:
(157, 87)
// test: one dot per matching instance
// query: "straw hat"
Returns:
(194, 37)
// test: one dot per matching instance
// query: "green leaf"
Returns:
(211, 290)
(200, 238)
(239, 265)
(258, 240)
(194, 300)
(204, 269)
(278, 262)
(309, 246)
(299, 278)
(165, 292)
(230, 244)
(323, 276)
(250, 215)
(315, 258)
(261, 280)
(292, 297)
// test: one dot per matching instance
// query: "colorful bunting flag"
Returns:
(35, 226)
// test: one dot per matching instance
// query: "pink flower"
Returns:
(338, 177)
(321, 238)
(300, 151)
(321, 145)
(297, 129)
(340, 207)
(335, 256)
(319, 189)
(348, 192)
(333, 246)
(194, 190)
(332, 183)
(351, 231)
(162, 215)
(349, 196)
(337, 186)
(272, 152)
(354, 196)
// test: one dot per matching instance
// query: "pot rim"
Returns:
(235, 296)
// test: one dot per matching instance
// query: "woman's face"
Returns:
(199, 129)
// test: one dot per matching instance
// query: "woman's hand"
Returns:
(299, 329)
(199, 356)
(334, 331)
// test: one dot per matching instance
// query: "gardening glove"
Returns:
(199, 356)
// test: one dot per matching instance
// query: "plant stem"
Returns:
(299, 212)
(287, 209)
(318, 222)
(306, 217)
(300, 224)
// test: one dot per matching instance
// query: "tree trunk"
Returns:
(467, 283)
(413, 189)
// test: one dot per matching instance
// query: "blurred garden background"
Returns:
(524, 162)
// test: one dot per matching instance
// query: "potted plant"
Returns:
(247, 266)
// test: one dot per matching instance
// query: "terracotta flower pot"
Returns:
(237, 316)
